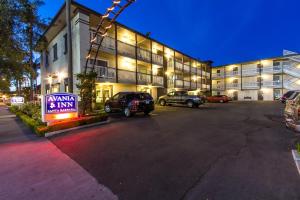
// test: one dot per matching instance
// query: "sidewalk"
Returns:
(34, 168)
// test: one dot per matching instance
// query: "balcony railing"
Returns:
(157, 59)
(186, 84)
(143, 79)
(250, 72)
(126, 76)
(218, 87)
(232, 73)
(271, 84)
(193, 70)
(144, 55)
(217, 75)
(105, 72)
(178, 66)
(193, 85)
(186, 68)
(126, 49)
(233, 86)
(277, 69)
(250, 85)
(179, 83)
(158, 80)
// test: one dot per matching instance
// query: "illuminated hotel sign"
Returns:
(59, 106)
(17, 100)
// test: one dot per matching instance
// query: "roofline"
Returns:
(124, 26)
(251, 61)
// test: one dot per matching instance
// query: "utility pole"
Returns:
(69, 44)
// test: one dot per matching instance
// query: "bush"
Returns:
(30, 109)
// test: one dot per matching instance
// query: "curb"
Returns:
(75, 128)
(7, 116)
(296, 157)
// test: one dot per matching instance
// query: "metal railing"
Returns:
(126, 76)
(126, 49)
(157, 59)
(143, 78)
(158, 80)
(144, 55)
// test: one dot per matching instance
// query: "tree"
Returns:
(32, 29)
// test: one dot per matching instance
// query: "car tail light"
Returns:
(134, 105)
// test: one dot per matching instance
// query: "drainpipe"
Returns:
(69, 43)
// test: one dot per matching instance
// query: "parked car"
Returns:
(289, 95)
(292, 113)
(130, 103)
(181, 97)
(218, 99)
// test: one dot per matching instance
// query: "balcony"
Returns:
(144, 55)
(178, 83)
(233, 86)
(193, 85)
(277, 69)
(143, 79)
(126, 76)
(178, 66)
(106, 73)
(126, 49)
(193, 70)
(250, 85)
(157, 59)
(217, 75)
(250, 72)
(186, 84)
(158, 81)
(267, 70)
(217, 87)
(275, 84)
(232, 73)
(108, 44)
(186, 68)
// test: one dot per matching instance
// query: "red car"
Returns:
(218, 99)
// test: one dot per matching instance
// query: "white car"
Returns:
(292, 113)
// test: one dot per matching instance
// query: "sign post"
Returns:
(59, 106)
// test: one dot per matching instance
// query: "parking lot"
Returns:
(239, 150)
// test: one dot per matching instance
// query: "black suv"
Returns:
(130, 103)
(181, 97)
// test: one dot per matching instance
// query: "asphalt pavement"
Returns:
(239, 150)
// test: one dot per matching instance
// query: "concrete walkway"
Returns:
(34, 168)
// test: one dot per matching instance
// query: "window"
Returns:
(218, 71)
(55, 52)
(276, 63)
(66, 43)
(235, 69)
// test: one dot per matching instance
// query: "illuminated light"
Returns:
(298, 82)
(63, 116)
(265, 62)
(168, 53)
(266, 90)
(194, 78)
(168, 73)
(50, 80)
(105, 16)
(88, 56)
(3, 79)
(4, 96)
(155, 71)
(61, 76)
(298, 66)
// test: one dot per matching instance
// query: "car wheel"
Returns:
(221, 101)
(190, 104)
(127, 112)
(107, 108)
(162, 102)
(147, 112)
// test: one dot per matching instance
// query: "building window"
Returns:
(218, 71)
(276, 63)
(55, 52)
(66, 43)
(235, 69)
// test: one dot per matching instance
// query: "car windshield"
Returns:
(288, 94)
(293, 96)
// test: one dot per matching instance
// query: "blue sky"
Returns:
(220, 30)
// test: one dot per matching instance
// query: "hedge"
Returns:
(41, 128)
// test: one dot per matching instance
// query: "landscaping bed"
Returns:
(30, 114)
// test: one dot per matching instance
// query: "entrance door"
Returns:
(235, 95)
(260, 95)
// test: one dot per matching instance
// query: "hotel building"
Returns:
(265, 79)
(127, 61)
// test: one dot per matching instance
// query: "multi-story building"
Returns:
(127, 61)
(265, 79)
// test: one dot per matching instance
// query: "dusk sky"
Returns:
(218, 30)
